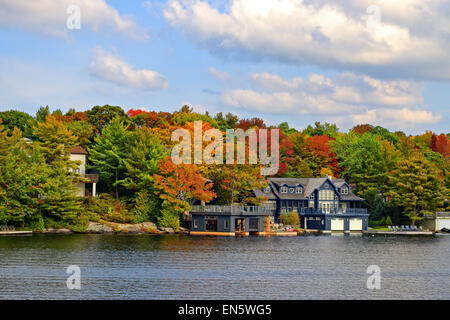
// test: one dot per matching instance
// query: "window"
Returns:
(345, 190)
(299, 190)
(311, 197)
(267, 189)
(195, 224)
(225, 224)
(283, 189)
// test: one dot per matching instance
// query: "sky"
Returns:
(382, 62)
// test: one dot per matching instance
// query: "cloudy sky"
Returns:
(383, 62)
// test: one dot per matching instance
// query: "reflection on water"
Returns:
(183, 267)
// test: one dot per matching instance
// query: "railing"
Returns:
(445, 214)
(332, 211)
(236, 209)
(93, 178)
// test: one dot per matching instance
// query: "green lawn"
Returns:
(379, 228)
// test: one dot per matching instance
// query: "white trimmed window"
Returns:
(344, 190)
(284, 189)
(267, 189)
(299, 190)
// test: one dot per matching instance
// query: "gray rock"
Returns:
(95, 227)
(166, 230)
(59, 231)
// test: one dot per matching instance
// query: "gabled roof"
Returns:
(270, 196)
(310, 184)
(78, 150)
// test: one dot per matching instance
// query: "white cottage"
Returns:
(79, 154)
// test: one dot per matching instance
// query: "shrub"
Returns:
(146, 207)
(294, 219)
(107, 208)
(388, 221)
(36, 223)
(284, 218)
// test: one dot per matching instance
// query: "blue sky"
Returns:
(298, 61)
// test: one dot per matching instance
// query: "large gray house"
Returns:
(322, 204)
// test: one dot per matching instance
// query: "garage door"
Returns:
(337, 224)
(444, 223)
(355, 224)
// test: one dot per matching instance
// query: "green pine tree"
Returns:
(109, 151)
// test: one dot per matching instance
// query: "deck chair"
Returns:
(413, 228)
(403, 228)
(389, 228)
(420, 228)
(407, 228)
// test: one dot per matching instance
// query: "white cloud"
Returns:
(221, 75)
(395, 118)
(50, 17)
(109, 67)
(411, 40)
(349, 96)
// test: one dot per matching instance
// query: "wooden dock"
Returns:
(14, 233)
(399, 233)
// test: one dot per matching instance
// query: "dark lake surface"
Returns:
(184, 267)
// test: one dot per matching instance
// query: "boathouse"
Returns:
(230, 220)
(437, 221)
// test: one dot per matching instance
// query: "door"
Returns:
(443, 223)
(337, 224)
(253, 224)
(355, 224)
(239, 225)
(211, 225)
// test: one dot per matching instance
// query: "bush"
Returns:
(146, 208)
(291, 218)
(169, 220)
(388, 221)
(284, 218)
(294, 219)
(36, 223)
(105, 207)
(171, 210)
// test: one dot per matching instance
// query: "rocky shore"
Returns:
(120, 228)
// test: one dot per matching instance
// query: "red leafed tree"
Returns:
(362, 128)
(134, 112)
(245, 124)
(322, 156)
(440, 144)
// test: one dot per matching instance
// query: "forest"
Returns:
(401, 177)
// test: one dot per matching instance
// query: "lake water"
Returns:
(183, 267)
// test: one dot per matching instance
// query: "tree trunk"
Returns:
(117, 190)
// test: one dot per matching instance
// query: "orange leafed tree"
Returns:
(182, 182)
